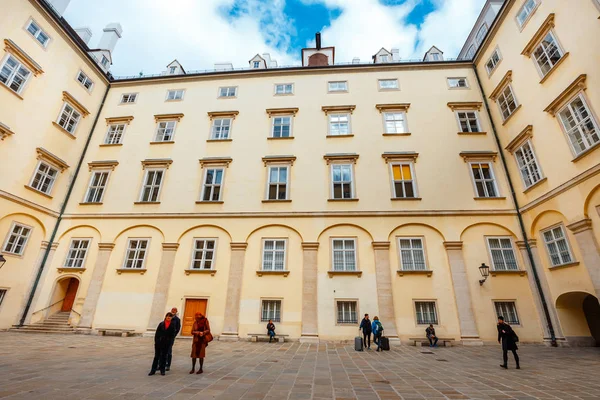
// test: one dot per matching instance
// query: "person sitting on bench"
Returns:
(433, 339)
(271, 330)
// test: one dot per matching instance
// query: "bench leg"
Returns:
(448, 343)
(254, 338)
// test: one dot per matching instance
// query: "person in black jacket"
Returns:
(365, 326)
(165, 332)
(271, 330)
(430, 332)
(509, 339)
(177, 324)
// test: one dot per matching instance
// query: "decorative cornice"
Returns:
(285, 273)
(168, 117)
(45, 155)
(503, 82)
(521, 138)
(106, 246)
(400, 156)
(279, 111)
(341, 157)
(5, 131)
(170, 246)
(68, 97)
(392, 106)
(427, 272)
(238, 245)
(310, 246)
(212, 272)
(222, 114)
(115, 120)
(580, 226)
(27, 203)
(103, 164)
(521, 244)
(465, 105)
(576, 86)
(278, 159)
(156, 163)
(140, 271)
(478, 155)
(381, 245)
(11, 47)
(453, 245)
(331, 274)
(215, 160)
(539, 35)
(330, 109)
(44, 245)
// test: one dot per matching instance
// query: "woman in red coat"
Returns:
(202, 335)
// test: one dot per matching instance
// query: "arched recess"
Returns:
(534, 223)
(271, 226)
(344, 224)
(60, 289)
(486, 223)
(415, 224)
(139, 226)
(204, 226)
(579, 314)
(82, 226)
(588, 199)
(28, 216)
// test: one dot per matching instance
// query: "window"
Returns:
(37, 32)
(68, 118)
(347, 313)
(273, 255)
(152, 185)
(278, 182)
(338, 86)
(221, 128)
(77, 253)
(2, 295)
(341, 180)
(525, 12)
(282, 127)
(493, 61)
(97, 186)
(284, 88)
(104, 62)
(507, 102)
(388, 84)
(547, 53)
(44, 177)
(213, 180)
(557, 245)
(468, 121)
(471, 51)
(412, 254)
(270, 310)
(114, 135)
(395, 122)
(13, 74)
(175, 94)
(580, 125)
(256, 64)
(426, 313)
(203, 256)
(128, 98)
(508, 310)
(165, 131)
(230, 91)
(172, 70)
(481, 34)
(17, 239)
(384, 58)
(503, 254)
(436, 57)
(344, 254)
(455, 83)
(527, 163)
(135, 257)
(85, 81)
(339, 124)
(402, 181)
(483, 178)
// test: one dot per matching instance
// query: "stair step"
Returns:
(21, 330)
(41, 328)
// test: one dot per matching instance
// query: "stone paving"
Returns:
(51, 367)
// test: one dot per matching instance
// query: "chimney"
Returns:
(109, 38)
(59, 5)
(395, 55)
(318, 40)
(356, 60)
(84, 33)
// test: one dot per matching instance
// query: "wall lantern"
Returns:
(2, 260)
(485, 272)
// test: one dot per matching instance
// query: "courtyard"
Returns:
(34, 366)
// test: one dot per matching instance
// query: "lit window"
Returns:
(339, 124)
(213, 181)
(37, 32)
(44, 178)
(204, 254)
(165, 131)
(230, 91)
(388, 84)
(270, 310)
(338, 86)
(526, 11)
(284, 88)
(68, 118)
(547, 53)
(17, 239)
(403, 181)
(508, 310)
(503, 254)
(426, 312)
(395, 122)
(128, 98)
(282, 127)
(221, 128)
(96, 187)
(580, 125)
(85, 81)
(114, 135)
(507, 102)
(468, 121)
(341, 181)
(278, 182)
(455, 83)
(483, 179)
(557, 246)
(412, 254)
(493, 61)
(13, 74)
(273, 258)
(152, 185)
(135, 257)
(528, 165)
(347, 313)
(481, 34)
(175, 94)
(77, 253)
(344, 254)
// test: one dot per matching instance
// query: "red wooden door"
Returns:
(67, 304)
(192, 306)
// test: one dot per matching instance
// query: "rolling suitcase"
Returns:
(358, 344)
(385, 343)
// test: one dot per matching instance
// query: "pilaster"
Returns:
(163, 283)
(310, 317)
(385, 296)
(95, 286)
(589, 249)
(234, 288)
(38, 264)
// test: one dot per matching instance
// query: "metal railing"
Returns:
(51, 305)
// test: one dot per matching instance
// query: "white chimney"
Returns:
(84, 33)
(109, 38)
(224, 66)
(59, 5)
(356, 60)
(267, 57)
(395, 54)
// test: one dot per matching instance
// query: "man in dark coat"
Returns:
(509, 340)
(165, 332)
(365, 326)
(430, 332)
(177, 325)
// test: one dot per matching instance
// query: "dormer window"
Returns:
(104, 62)
(435, 57)
(256, 64)
(172, 70)
(384, 58)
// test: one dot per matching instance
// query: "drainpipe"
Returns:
(519, 216)
(62, 211)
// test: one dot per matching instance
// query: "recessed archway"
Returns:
(579, 314)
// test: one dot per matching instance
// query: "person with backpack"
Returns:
(509, 340)
(271, 330)
(365, 327)
(377, 329)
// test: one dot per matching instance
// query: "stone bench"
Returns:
(254, 336)
(122, 332)
(423, 341)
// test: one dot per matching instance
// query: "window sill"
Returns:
(397, 134)
(519, 272)
(571, 264)
(489, 198)
(83, 203)
(511, 115)
(277, 201)
(331, 274)
(37, 191)
(284, 273)
(554, 68)
(405, 198)
(140, 271)
(110, 144)
(586, 152)
(427, 272)
(70, 269)
(226, 97)
(212, 272)
(535, 185)
(209, 202)
(13, 255)
(63, 130)
(219, 140)
(280, 138)
(165, 142)
(334, 200)
(172, 100)
(340, 136)
(472, 133)
(12, 91)
(146, 202)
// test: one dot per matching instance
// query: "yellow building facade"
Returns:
(308, 195)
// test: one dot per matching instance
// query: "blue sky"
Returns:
(200, 33)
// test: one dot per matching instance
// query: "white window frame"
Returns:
(404, 122)
(496, 63)
(419, 310)
(471, 51)
(204, 250)
(213, 128)
(591, 116)
(477, 119)
(274, 251)
(126, 98)
(172, 70)
(527, 167)
(136, 252)
(342, 182)
(104, 61)
(337, 86)
(177, 94)
(36, 35)
(74, 253)
(86, 79)
(113, 131)
(478, 39)
(522, 24)
(10, 233)
(383, 88)
(344, 250)
(449, 80)
(277, 184)
(162, 127)
(256, 64)
(11, 78)
(503, 98)
(3, 292)
(504, 266)
(338, 115)
(285, 87)
(493, 179)
(274, 313)
(559, 49)
(273, 125)
(70, 116)
(413, 181)
(228, 92)
(96, 188)
(153, 186)
(554, 241)
(344, 321)
(212, 186)
(53, 181)
(501, 310)
(412, 251)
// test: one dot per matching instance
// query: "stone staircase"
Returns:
(57, 323)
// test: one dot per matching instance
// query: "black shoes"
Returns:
(168, 369)
(504, 366)
(152, 373)
(518, 366)
(162, 373)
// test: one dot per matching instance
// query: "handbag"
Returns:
(208, 337)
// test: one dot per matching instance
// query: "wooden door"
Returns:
(192, 306)
(67, 304)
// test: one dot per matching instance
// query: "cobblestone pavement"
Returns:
(50, 367)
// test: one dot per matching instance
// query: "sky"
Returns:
(200, 33)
